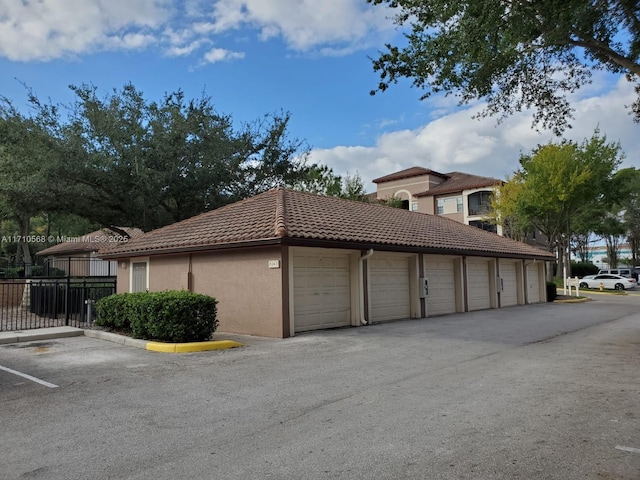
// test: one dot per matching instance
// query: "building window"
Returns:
(139, 277)
(414, 206)
(480, 203)
(460, 205)
(440, 206)
(486, 226)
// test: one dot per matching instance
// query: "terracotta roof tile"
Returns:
(91, 242)
(458, 181)
(408, 173)
(282, 214)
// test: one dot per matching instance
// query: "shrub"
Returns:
(171, 316)
(581, 269)
(181, 316)
(113, 312)
(14, 272)
(552, 291)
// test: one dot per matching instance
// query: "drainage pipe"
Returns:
(363, 321)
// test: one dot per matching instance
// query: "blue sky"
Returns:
(254, 57)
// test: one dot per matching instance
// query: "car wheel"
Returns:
(619, 286)
(584, 285)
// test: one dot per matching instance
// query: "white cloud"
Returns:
(458, 142)
(221, 54)
(184, 50)
(331, 25)
(46, 29)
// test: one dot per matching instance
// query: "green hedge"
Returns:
(552, 291)
(582, 269)
(170, 316)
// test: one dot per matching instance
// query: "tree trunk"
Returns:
(23, 253)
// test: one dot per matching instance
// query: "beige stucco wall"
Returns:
(168, 273)
(458, 217)
(412, 185)
(248, 291)
(426, 205)
(123, 276)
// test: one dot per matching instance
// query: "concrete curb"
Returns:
(192, 347)
(62, 332)
(115, 338)
(161, 346)
(21, 336)
(573, 300)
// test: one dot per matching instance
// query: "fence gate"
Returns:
(37, 303)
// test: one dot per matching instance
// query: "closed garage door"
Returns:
(390, 292)
(478, 284)
(321, 291)
(509, 293)
(440, 276)
(533, 283)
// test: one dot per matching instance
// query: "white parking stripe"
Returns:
(628, 449)
(29, 377)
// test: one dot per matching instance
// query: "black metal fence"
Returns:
(37, 303)
(60, 267)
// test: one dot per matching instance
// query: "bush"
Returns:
(170, 316)
(14, 272)
(552, 291)
(582, 269)
(112, 312)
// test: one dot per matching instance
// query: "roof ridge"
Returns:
(281, 212)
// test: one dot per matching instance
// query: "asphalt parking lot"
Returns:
(540, 392)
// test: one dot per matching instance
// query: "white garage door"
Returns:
(321, 291)
(389, 291)
(533, 283)
(478, 284)
(509, 294)
(441, 298)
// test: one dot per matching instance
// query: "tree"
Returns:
(628, 188)
(27, 163)
(128, 161)
(353, 188)
(516, 54)
(555, 183)
(612, 230)
(318, 179)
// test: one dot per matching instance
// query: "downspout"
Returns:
(363, 321)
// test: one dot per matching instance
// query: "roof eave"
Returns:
(190, 248)
(325, 243)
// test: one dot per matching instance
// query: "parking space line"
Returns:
(628, 449)
(28, 377)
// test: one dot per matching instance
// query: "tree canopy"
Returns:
(559, 184)
(122, 160)
(516, 54)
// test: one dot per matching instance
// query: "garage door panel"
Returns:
(478, 285)
(390, 289)
(442, 286)
(533, 283)
(321, 286)
(509, 293)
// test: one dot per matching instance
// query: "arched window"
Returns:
(480, 202)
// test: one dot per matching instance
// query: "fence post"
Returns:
(67, 302)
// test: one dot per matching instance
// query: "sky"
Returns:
(307, 57)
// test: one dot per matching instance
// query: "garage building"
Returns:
(285, 262)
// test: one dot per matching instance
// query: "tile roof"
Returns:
(408, 173)
(91, 242)
(458, 181)
(293, 217)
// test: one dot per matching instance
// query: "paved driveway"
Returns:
(538, 392)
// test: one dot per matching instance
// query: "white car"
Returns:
(609, 281)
